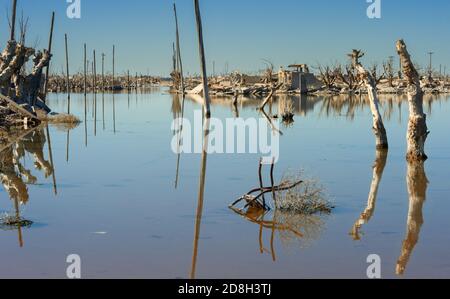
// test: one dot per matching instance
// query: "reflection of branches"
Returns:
(417, 190)
(310, 226)
(272, 125)
(290, 226)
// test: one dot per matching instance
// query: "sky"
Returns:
(238, 33)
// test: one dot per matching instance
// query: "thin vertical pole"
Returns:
(128, 80)
(95, 94)
(202, 59)
(13, 20)
(67, 74)
(95, 72)
(114, 66)
(85, 70)
(103, 72)
(178, 49)
(174, 57)
(47, 71)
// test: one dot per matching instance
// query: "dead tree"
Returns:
(389, 72)
(273, 87)
(417, 127)
(375, 74)
(370, 83)
(328, 76)
(8, 70)
(349, 78)
(31, 84)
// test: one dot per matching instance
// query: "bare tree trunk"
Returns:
(417, 189)
(370, 83)
(417, 127)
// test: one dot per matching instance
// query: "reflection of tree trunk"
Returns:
(201, 193)
(417, 127)
(417, 189)
(378, 169)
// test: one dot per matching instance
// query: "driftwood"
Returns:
(258, 200)
(417, 127)
(16, 107)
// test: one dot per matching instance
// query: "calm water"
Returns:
(117, 207)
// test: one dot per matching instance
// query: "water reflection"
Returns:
(347, 106)
(417, 182)
(15, 177)
(201, 193)
(366, 216)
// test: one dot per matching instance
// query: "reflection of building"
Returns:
(301, 104)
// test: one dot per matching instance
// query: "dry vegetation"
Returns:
(308, 198)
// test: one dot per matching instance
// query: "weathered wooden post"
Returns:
(369, 81)
(417, 127)
(47, 71)
(128, 80)
(180, 63)
(67, 74)
(95, 93)
(103, 72)
(13, 20)
(113, 66)
(85, 70)
(207, 109)
(174, 57)
(95, 72)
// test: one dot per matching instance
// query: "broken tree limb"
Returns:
(417, 127)
(16, 107)
(269, 97)
(370, 83)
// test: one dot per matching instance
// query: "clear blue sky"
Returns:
(240, 32)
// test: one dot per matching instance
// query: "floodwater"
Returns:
(111, 196)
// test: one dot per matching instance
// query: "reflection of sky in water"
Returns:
(122, 184)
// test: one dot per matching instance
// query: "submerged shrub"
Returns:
(308, 198)
(10, 221)
(62, 119)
